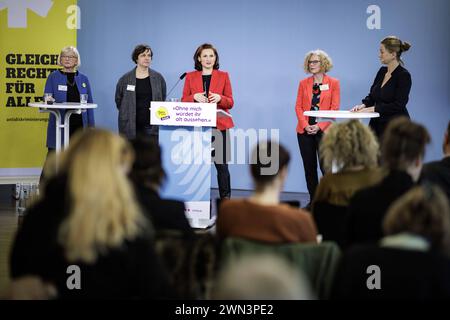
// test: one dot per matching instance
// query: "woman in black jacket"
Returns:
(411, 262)
(389, 92)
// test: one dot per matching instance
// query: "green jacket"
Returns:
(318, 262)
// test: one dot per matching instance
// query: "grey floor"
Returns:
(8, 226)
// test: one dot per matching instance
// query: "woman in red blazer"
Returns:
(318, 92)
(209, 85)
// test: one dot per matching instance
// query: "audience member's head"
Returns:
(147, 167)
(102, 210)
(424, 211)
(263, 277)
(403, 146)
(269, 164)
(446, 144)
(348, 145)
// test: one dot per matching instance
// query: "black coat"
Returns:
(438, 172)
(130, 271)
(404, 274)
(389, 101)
(164, 214)
(368, 208)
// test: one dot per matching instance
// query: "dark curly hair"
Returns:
(140, 48)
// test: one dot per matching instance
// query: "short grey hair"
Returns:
(72, 50)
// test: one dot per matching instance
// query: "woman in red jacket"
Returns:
(318, 92)
(209, 85)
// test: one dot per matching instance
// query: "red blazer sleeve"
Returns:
(226, 101)
(188, 95)
(335, 102)
(298, 107)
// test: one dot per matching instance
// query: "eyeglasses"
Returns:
(314, 61)
(69, 57)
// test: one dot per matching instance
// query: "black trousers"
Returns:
(42, 177)
(220, 155)
(309, 150)
(149, 131)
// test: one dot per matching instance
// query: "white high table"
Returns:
(331, 115)
(63, 124)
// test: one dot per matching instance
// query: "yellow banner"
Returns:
(32, 33)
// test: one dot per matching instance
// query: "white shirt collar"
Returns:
(405, 240)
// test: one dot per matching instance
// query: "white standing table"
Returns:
(63, 123)
(331, 115)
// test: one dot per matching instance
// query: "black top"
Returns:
(315, 102)
(368, 207)
(404, 274)
(391, 99)
(73, 95)
(206, 83)
(438, 172)
(164, 214)
(143, 99)
(132, 270)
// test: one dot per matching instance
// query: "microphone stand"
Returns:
(174, 86)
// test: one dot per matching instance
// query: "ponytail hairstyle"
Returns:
(394, 44)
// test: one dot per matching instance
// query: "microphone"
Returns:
(181, 78)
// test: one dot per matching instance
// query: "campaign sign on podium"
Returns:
(185, 138)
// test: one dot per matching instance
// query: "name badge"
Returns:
(62, 87)
(324, 87)
(130, 87)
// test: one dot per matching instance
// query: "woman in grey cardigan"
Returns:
(134, 92)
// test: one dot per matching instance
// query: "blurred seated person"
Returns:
(89, 220)
(148, 175)
(349, 152)
(29, 288)
(262, 277)
(261, 217)
(403, 149)
(411, 261)
(438, 172)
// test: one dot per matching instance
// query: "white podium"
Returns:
(332, 115)
(185, 134)
(56, 109)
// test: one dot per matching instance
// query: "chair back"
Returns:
(318, 262)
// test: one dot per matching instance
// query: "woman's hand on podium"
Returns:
(214, 98)
(200, 97)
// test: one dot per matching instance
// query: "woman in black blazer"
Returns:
(389, 92)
